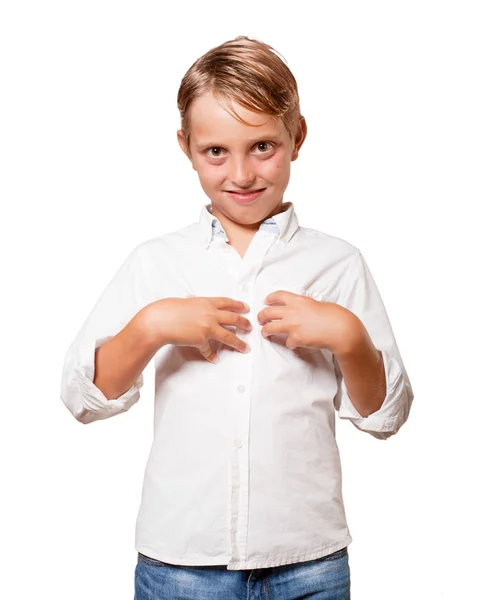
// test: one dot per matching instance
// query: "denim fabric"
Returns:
(326, 578)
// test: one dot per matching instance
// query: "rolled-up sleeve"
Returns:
(360, 295)
(127, 293)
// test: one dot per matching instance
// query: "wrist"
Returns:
(150, 326)
(356, 337)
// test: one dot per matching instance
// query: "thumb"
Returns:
(208, 352)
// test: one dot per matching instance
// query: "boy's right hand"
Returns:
(194, 321)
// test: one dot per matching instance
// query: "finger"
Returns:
(270, 313)
(208, 353)
(274, 328)
(229, 339)
(291, 344)
(225, 303)
(226, 317)
(280, 296)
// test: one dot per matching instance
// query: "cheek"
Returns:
(209, 175)
(278, 169)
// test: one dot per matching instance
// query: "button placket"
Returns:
(247, 271)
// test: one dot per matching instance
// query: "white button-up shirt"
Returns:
(244, 468)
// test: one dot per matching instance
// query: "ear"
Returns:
(182, 143)
(301, 133)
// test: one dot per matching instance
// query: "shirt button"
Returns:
(244, 287)
(238, 443)
(241, 388)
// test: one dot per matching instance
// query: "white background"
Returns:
(399, 160)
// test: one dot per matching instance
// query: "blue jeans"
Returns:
(326, 578)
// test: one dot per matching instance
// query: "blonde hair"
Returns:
(248, 72)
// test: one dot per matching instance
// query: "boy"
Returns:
(260, 329)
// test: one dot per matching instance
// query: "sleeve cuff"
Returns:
(96, 405)
(392, 414)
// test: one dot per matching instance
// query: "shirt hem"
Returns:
(283, 560)
(237, 565)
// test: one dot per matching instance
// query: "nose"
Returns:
(242, 173)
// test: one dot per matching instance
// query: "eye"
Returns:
(216, 150)
(264, 143)
(213, 148)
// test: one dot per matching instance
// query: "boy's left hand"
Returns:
(309, 322)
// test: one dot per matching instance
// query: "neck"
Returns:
(240, 232)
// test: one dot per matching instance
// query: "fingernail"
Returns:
(215, 359)
(248, 348)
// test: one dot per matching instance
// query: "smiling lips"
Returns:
(245, 196)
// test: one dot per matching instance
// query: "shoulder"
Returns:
(326, 243)
(167, 242)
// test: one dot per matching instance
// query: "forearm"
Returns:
(120, 360)
(363, 372)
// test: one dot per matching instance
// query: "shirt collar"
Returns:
(284, 224)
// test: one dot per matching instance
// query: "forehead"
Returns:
(210, 121)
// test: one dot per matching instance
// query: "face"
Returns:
(232, 157)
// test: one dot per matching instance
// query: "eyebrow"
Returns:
(266, 136)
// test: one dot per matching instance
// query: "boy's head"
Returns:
(241, 126)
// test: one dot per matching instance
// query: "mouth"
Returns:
(244, 197)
